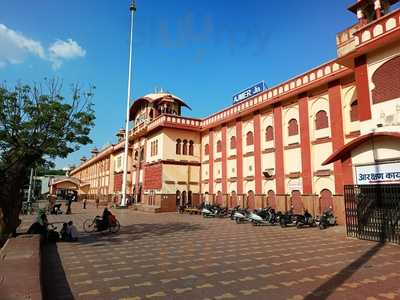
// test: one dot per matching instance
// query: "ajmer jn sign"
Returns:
(249, 92)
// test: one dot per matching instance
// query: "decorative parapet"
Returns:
(377, 28)
(345, 40)
(291, 86)
(175, 121)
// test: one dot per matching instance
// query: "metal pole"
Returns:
(132, 8)
(30, 186)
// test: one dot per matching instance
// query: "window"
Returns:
(136, 155)
(191, 148)
(142, 154)
(178, 146)
(233, 142)
(118, 163)
(219, 146)
(185, 148)
(269, 134)
(354, 111)
(293, 128)
(249, 138)
(154, 148)
(206, 149)
(321, 120)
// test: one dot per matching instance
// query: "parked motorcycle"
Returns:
(212, 211)
(306, 220)
(241, 216)
(288, 218)
(264, 216)
(232, 212)
(327, 219)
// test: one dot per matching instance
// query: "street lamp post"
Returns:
(132, 9)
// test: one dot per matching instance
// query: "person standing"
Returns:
(84, 203)
(69, 205)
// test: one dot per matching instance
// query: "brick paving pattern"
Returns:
(172, 256)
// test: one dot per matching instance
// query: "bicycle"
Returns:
(90, 225)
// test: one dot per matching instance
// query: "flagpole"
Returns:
(132, 9)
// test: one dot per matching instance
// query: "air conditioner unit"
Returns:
(269, 173)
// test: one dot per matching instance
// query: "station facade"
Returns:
(296, 144)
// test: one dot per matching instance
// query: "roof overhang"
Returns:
(346, 149)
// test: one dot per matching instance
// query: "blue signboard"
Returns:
(251, 91)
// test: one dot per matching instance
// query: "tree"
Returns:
(37, 124)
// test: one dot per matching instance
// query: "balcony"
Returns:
(377, 28)
(345, 40)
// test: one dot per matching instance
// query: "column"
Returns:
(305, 145)
(211, 162)
(257, 153)
(279, 164)
(335, 109)
(239, 157)
(361, 77)
(224, 162)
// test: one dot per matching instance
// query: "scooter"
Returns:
(232, 212)
(306, 220)
(327, 219)
(262, 217)
(241, 216)
(208, 211)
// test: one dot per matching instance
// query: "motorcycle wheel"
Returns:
(313, 224)
(237, 221)
(321, 226)
(283, 224)
(298, 225)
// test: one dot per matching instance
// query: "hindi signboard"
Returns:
(379, 173)
(251, 91)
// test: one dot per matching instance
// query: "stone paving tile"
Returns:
(172, 256)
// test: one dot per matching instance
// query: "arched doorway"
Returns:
(296, 203)
(250, 200)
(178, 198)
(233, 199)
(325, 200)
(190, 201)
(219, 198)
(184, 198)
(271, 199)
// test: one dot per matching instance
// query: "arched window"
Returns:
(142, 154)
(233, 142)
(219, 146)
(178, 146)
(206, 149)
(136, 155)
(354, 111)
(321, 120)
(185, 148)
(269, 134)
(191, 148)
(249, 138)
(293, 128)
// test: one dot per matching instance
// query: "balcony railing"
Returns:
(377, 28)
(345, 41)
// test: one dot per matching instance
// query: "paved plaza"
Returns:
(173, 256)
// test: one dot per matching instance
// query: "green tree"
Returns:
(37, 125)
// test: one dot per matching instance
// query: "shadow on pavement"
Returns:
(55, 283)
(329, 287)
(137, 232)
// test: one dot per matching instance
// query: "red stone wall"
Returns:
(387, 81)
(152, 177)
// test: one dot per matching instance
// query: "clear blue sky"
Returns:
(202, 51)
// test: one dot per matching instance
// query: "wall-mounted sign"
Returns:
(379, 173)
(251, 91)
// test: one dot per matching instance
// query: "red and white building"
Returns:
(295, 144)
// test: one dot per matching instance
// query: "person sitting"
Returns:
(72, 232)
(64, 232)
(40, 226)
(105, 219)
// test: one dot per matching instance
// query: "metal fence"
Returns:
(373, 212)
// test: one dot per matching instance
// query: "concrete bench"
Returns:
(20, 268)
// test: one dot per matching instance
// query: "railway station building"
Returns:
(297, 144)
